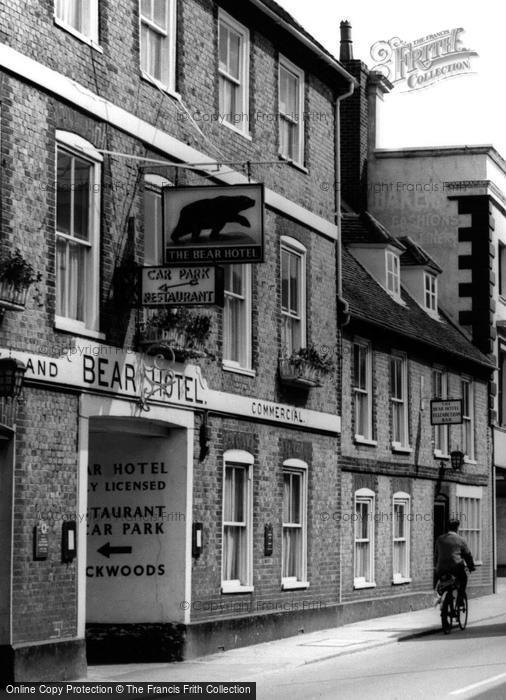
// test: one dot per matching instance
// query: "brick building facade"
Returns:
(178, 552)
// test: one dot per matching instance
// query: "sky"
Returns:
(467, 109)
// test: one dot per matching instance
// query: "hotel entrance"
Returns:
(137, 553)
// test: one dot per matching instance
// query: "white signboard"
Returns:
(446, 411)
(103, 369)
(181, 286)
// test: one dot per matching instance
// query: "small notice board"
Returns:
(445, 411)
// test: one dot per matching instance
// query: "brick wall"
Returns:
(44, 593)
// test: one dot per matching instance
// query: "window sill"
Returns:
(161, 86)
(478, 563)
(297, 166)
(359, 440)
(364, 584)
(82, 37)
(70, 326)
(396, 297)
(234, 588)
(468, 460)
(232, 127)
(396, 447)
(400, 581)
(439, 455)
(230, 367)
(287, 585)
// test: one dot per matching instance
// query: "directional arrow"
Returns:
(106, 550)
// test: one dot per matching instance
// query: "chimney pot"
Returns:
(346, 47)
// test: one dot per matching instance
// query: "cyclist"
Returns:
(452, 555)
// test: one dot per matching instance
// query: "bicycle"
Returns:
(452, 609)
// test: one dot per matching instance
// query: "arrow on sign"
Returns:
(106, 550)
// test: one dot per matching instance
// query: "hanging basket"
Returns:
(180, 343)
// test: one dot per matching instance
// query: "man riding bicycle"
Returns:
(452, 555)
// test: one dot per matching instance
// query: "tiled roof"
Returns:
(364, 228)
(371, 304)
(416, 255)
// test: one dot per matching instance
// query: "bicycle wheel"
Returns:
(462, 613)
(447, 612)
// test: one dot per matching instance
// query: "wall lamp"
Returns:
(12, 373)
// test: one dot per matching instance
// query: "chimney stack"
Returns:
(346, 48)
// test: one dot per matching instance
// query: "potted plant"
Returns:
(305, 368)
(16, 276)
(183, 331)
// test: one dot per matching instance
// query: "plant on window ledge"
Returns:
(304, 368)
(16, 276)
(182, 331)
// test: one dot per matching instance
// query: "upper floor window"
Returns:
(237, 317)
(158, 41)
(293, 295)
(153, 226)
(401, 536)
(364, 538)
(80, 16)
(393, 273)
(430, 291)
(362, 389)
(502, 269)
(291, 106)
(399, 400)
(233, 72)
(237, 521)
(440, 391)
(467, 418)
(294, 523)
(77, 232)
(502, 386)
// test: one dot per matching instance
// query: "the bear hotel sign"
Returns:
(213, 225)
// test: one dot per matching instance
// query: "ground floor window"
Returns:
(401, 531)
(237, 521)
(294, 523)
(469, 513)
(364, 538)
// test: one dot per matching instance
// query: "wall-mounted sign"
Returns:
(445, 411)
(181, 286)
(268, 540)
(40, 542)
(207, 225)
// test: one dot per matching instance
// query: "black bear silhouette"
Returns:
(212, 214)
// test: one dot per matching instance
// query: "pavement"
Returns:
(254, 662)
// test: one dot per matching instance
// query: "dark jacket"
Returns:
(451, 551)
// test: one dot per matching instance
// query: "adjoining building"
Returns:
(402, 478)
(135, 534)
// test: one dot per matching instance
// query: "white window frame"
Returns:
(170, 34)
(243, 126)
(77, 146)
(154, 184)
(92, 38)
(403, 401)
(468, 420)
(297, 466)
(367, 392)
(365, 496)
(466, 496)
(288, 66)
(244, 460)
(442, 430)
(404, 499)
(291, 245)
(430, 292)
(246, 366)
(393, 274)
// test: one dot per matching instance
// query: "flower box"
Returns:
(175, 332)
(11, 296)
(300, 374)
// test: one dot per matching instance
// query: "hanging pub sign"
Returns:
(213, 225)
(446, 411)
(181, 286)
